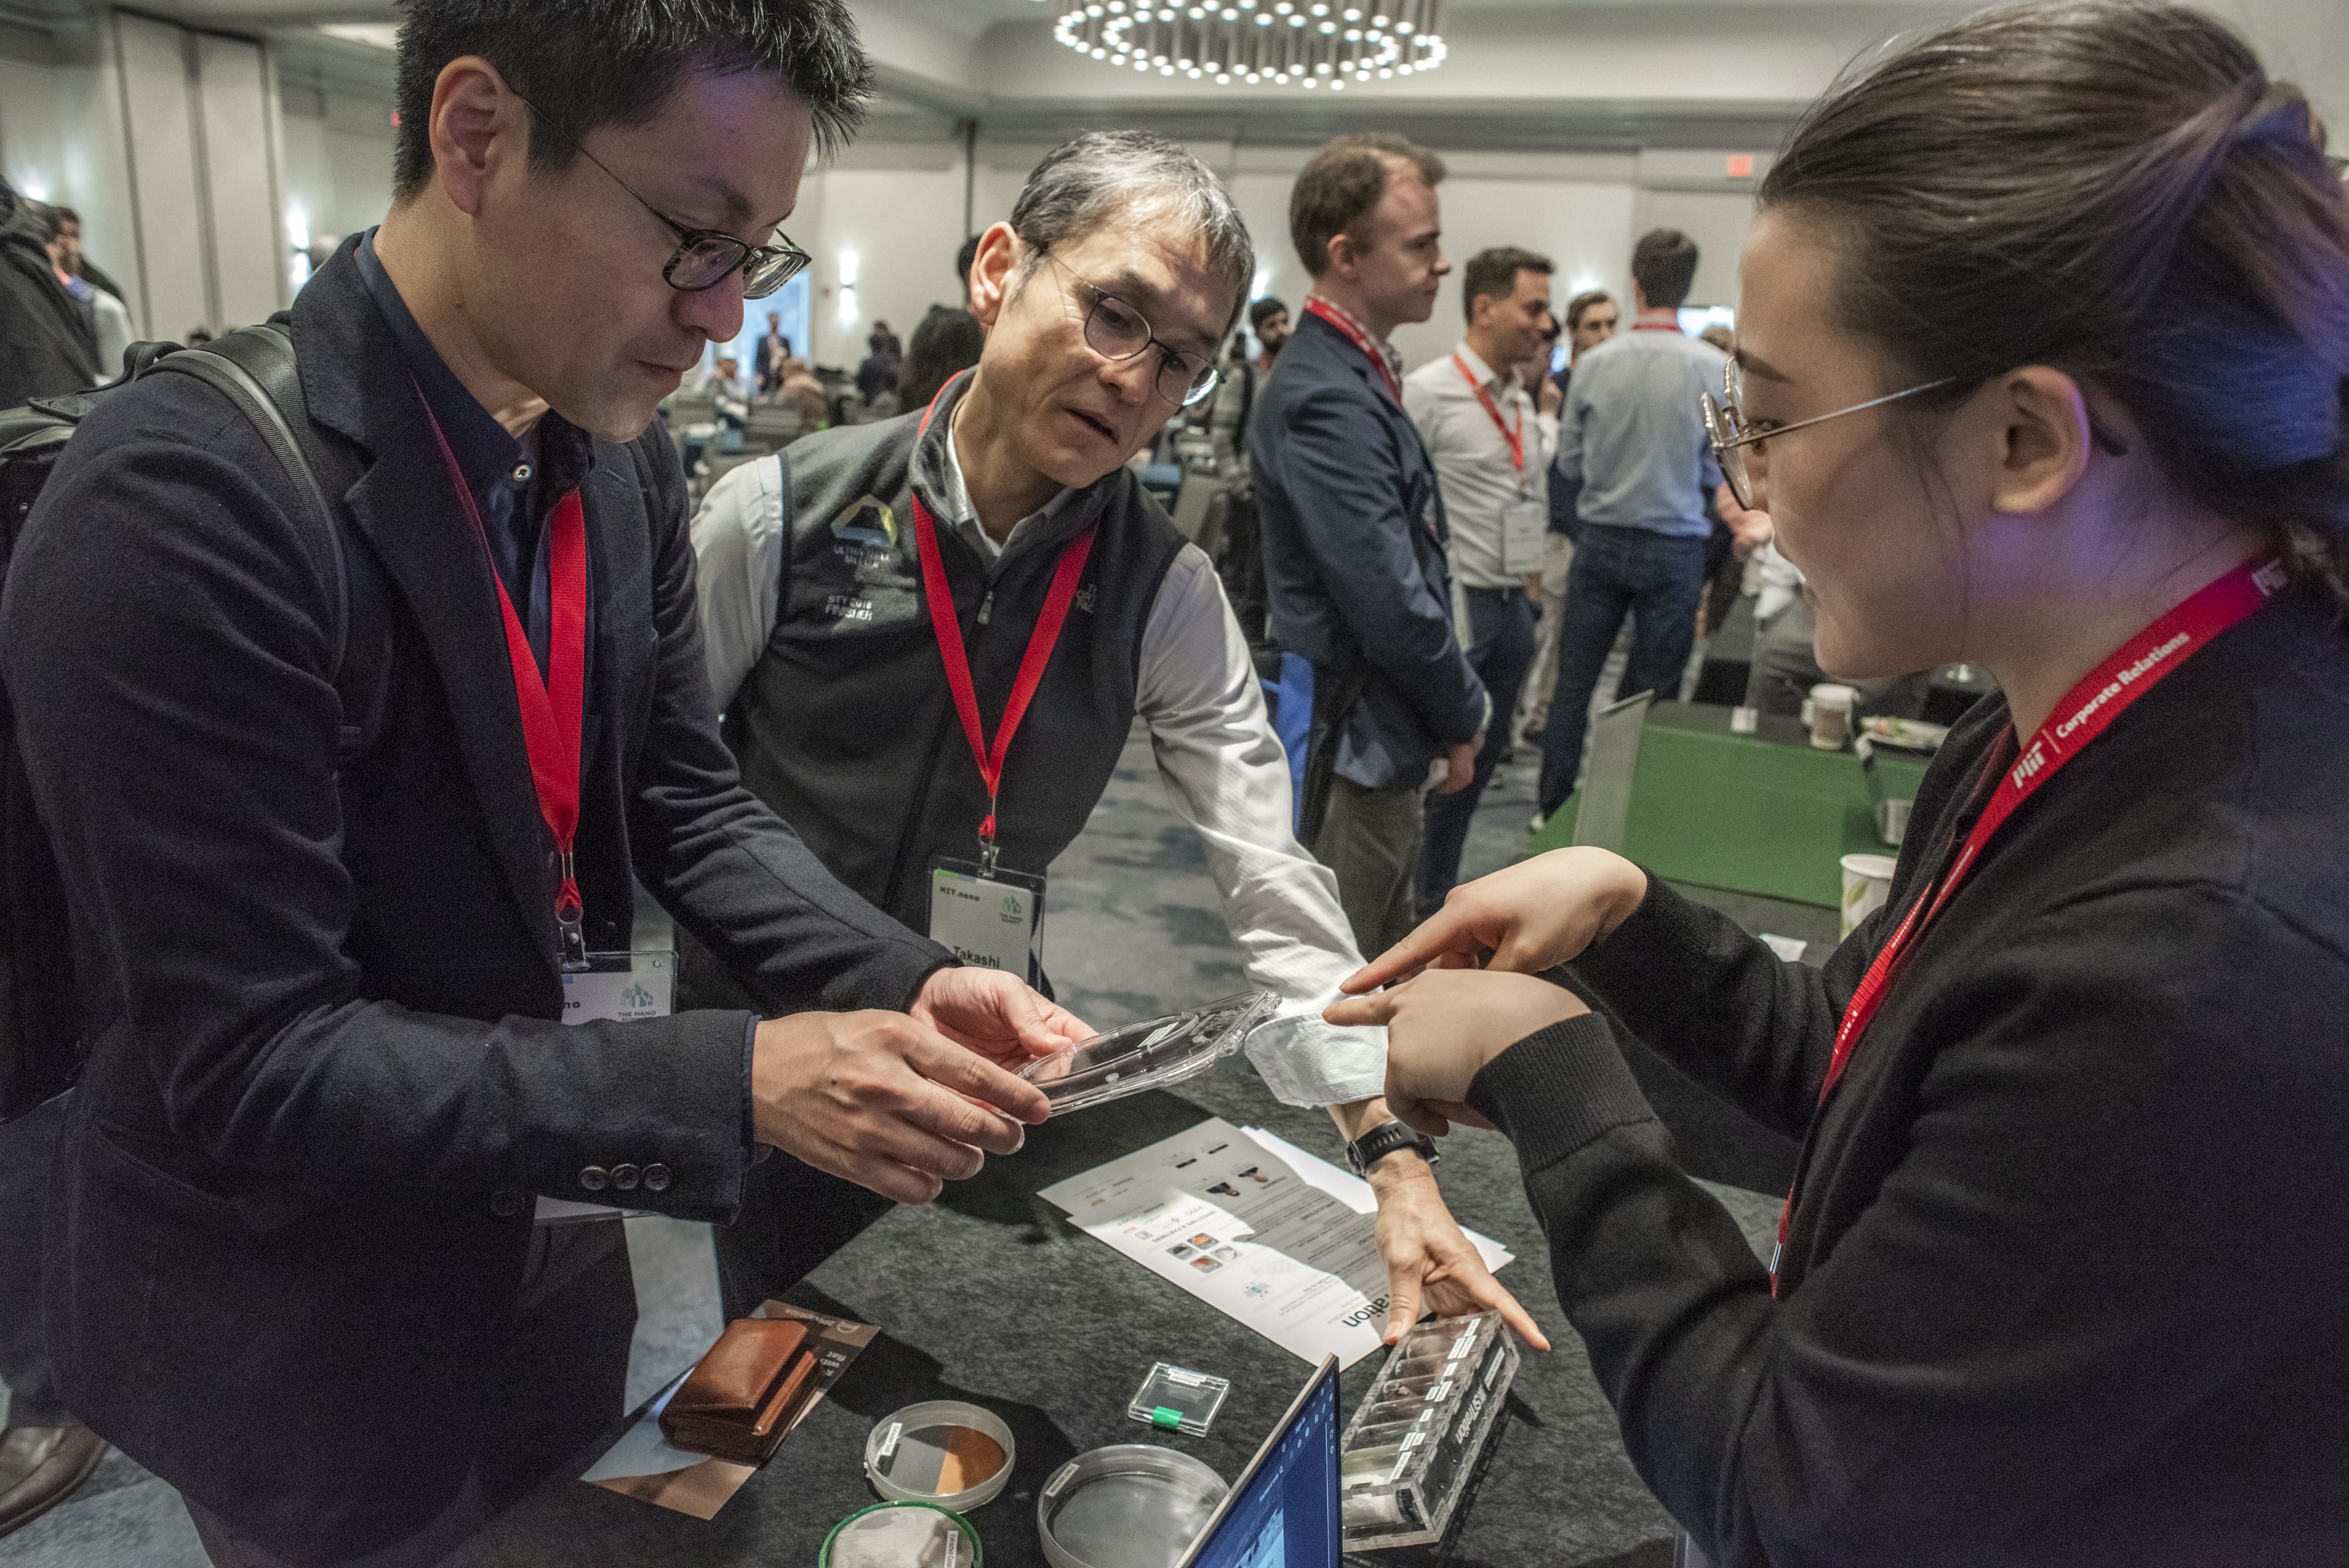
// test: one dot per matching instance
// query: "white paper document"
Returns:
(1254, 1227)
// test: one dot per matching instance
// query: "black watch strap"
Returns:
(1385, 1140)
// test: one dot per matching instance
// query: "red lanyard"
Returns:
(553, 707)
(2086, 711)
(1361, 339)
(1516, 438)
(1041, 642)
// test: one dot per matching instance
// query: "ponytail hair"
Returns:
(2120, 192)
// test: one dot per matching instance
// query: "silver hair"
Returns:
(1084, 183)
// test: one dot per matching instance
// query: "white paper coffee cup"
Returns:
(1867, 884)
(1831, 716)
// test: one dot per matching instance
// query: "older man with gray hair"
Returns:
(932, 636)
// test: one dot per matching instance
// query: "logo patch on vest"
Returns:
(864, 536)
(868, 520)
(1088, 597)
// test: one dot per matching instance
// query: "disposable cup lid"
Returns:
(1149, 1055)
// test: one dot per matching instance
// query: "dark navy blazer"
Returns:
(1354, 564)
(292, 1209)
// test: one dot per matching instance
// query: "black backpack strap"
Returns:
(255, 367)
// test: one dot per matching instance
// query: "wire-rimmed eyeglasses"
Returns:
(1732, 437)
(1116, 331)
(704, 258)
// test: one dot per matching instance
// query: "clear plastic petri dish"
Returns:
(1131, 1505)
(943, 1451)
(1149, 1055)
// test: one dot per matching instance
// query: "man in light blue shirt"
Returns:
(1631, 438)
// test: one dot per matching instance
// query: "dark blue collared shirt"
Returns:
(515, 482)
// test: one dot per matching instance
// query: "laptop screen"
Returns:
(1284, 1511)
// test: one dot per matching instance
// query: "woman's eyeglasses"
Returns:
(1116, 331)
(1733, 436)
(704, 258)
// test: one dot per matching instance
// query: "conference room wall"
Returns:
(338, 147)
(61, 139)
(166, 140)
(1583, 210)
(883, 226)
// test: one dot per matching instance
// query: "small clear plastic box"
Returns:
(1177, 1399)
(1411, 1449)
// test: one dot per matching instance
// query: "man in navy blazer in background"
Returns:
(292, 1258)
(1354, 528)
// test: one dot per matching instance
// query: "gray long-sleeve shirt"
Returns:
(1632, 436)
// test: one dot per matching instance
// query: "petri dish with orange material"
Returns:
(943, 1451)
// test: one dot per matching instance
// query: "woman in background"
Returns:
(2040, 345)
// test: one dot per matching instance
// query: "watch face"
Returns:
(1148, 1055)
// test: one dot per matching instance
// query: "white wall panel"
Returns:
(903, 226)
(32, 148)
(1716, 221)
(249, 250)
(168, 210)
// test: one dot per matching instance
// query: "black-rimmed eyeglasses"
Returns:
(704, 258)
(1733, 437)
(1116, 331)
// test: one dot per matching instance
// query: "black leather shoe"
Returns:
(40, 1466)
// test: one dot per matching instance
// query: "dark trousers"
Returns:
(560, 1392)
(1655, 578)
(1500, 650)
(27, 1146)
(1370, 839)
(793, 1217)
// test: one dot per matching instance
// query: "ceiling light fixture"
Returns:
(1283, 42)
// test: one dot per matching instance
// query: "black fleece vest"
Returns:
(846, 725)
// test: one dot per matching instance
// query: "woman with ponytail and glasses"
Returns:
(2041, 339)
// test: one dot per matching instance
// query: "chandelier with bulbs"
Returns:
(1284, 43)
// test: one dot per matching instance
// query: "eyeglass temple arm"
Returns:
(1822, 419)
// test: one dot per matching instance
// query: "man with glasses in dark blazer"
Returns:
(301, 1262)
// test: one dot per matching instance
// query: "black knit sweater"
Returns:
(2068, 1275)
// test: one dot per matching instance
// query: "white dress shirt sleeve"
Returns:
(1227, 776)
(1423, 405)
(1543, 454)
(738, 547)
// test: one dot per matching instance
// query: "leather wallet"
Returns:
(741, 1396)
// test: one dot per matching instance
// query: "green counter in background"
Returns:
(1767, 813)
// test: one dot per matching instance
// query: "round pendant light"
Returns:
(1277, 43)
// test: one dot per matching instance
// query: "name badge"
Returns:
(615, 988)
(1523, 523)
(988, 919)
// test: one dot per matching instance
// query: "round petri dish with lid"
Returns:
(902, 1535)
(943, 1451)
(1149, 1055)
(1131, 1505)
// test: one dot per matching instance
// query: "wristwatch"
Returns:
(1385, 1140)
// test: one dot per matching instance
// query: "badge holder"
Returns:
(620, 988)
(1523, 521)
(989, 917)
(1150, 1054)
